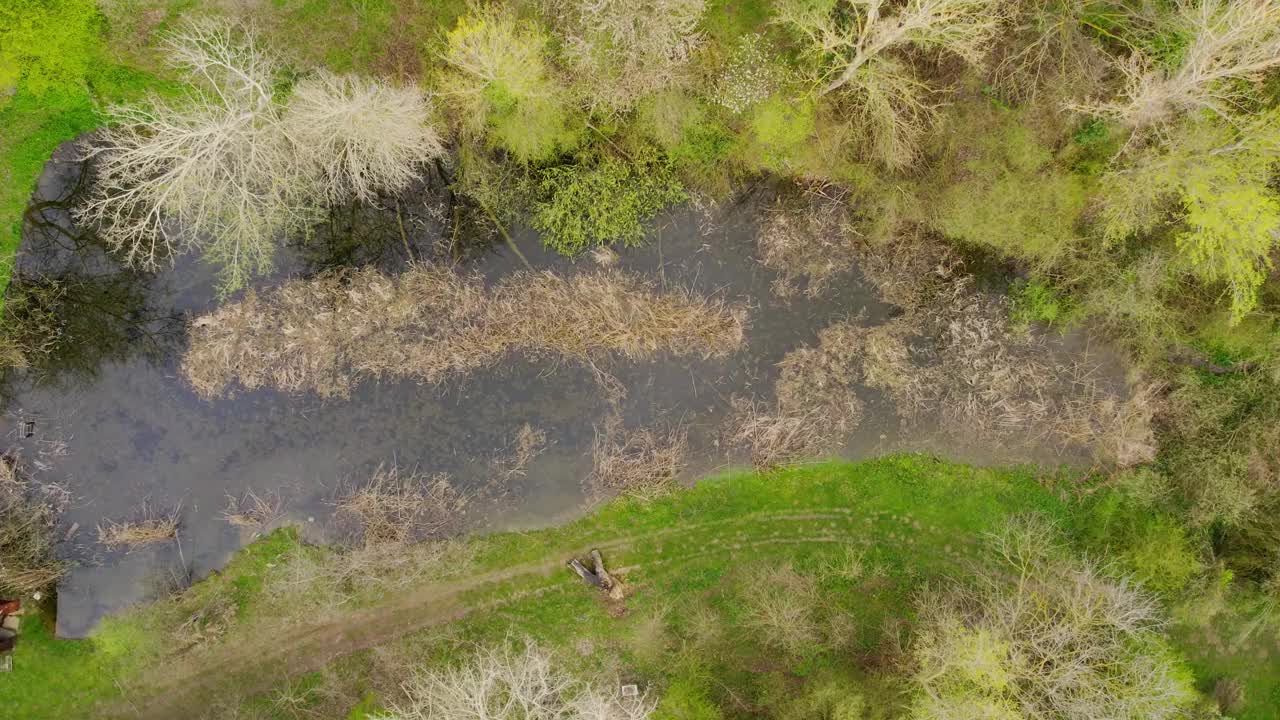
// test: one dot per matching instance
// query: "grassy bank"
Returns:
(869, 536)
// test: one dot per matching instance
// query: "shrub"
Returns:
(686, 699)
(1011, 196)
(1150, 545)
(1217, 173)
(622, 50)
(1033, 301)
(601, 202)
(505, 87)
(783, 606)
(857, 48)
(779, 128)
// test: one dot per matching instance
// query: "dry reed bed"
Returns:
(395, 508)
(325, 334)
(817, 402)
(951, 357)
(28, 560)
(639, 463)
(808, 236)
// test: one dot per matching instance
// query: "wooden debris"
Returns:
(598, 577)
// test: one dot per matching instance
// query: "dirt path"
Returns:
(184, 687)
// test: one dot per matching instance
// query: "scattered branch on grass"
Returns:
(325, 334)
(395, 509)
(150, 525)
(642, 463)
(28, 561)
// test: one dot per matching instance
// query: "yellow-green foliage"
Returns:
(1010, 194)
(779, 129)
(505, 88)
(697, 143)
(46, 44)
(1217, 173)
(596, 203)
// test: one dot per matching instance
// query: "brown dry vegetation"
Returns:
(253, 510)
(150, 525)
(817, 403)
(638, 463)
(398, 509)
(28, 562)
(955, 355)
(528, 444)
(952, 356)
(807, 236)
(430, 323)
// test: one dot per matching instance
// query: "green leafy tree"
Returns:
(1215, 175)
(1009, 194)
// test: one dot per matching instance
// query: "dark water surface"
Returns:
(116, 424)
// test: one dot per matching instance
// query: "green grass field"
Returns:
(912, 518)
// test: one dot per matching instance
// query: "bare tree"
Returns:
(229, 169)
(361, 136)
(215, 168)
(1044, 638)
(622, 50)
(1046, 44)
(1232, 41)
(858, 43)
(512, 683)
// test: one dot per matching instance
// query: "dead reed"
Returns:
(817, 403)
(772, 438)
(396, 509)
(150, 525)
(641, 463)
(253, 510)
(528, 444)
(28, 558)
(807, 235)
(954, 357)
(325, 334)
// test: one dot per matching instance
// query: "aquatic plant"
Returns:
(325, 334)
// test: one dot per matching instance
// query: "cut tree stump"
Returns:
(598, 577)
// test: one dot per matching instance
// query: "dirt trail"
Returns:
(184, 687)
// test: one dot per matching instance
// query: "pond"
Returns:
(110, 418)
